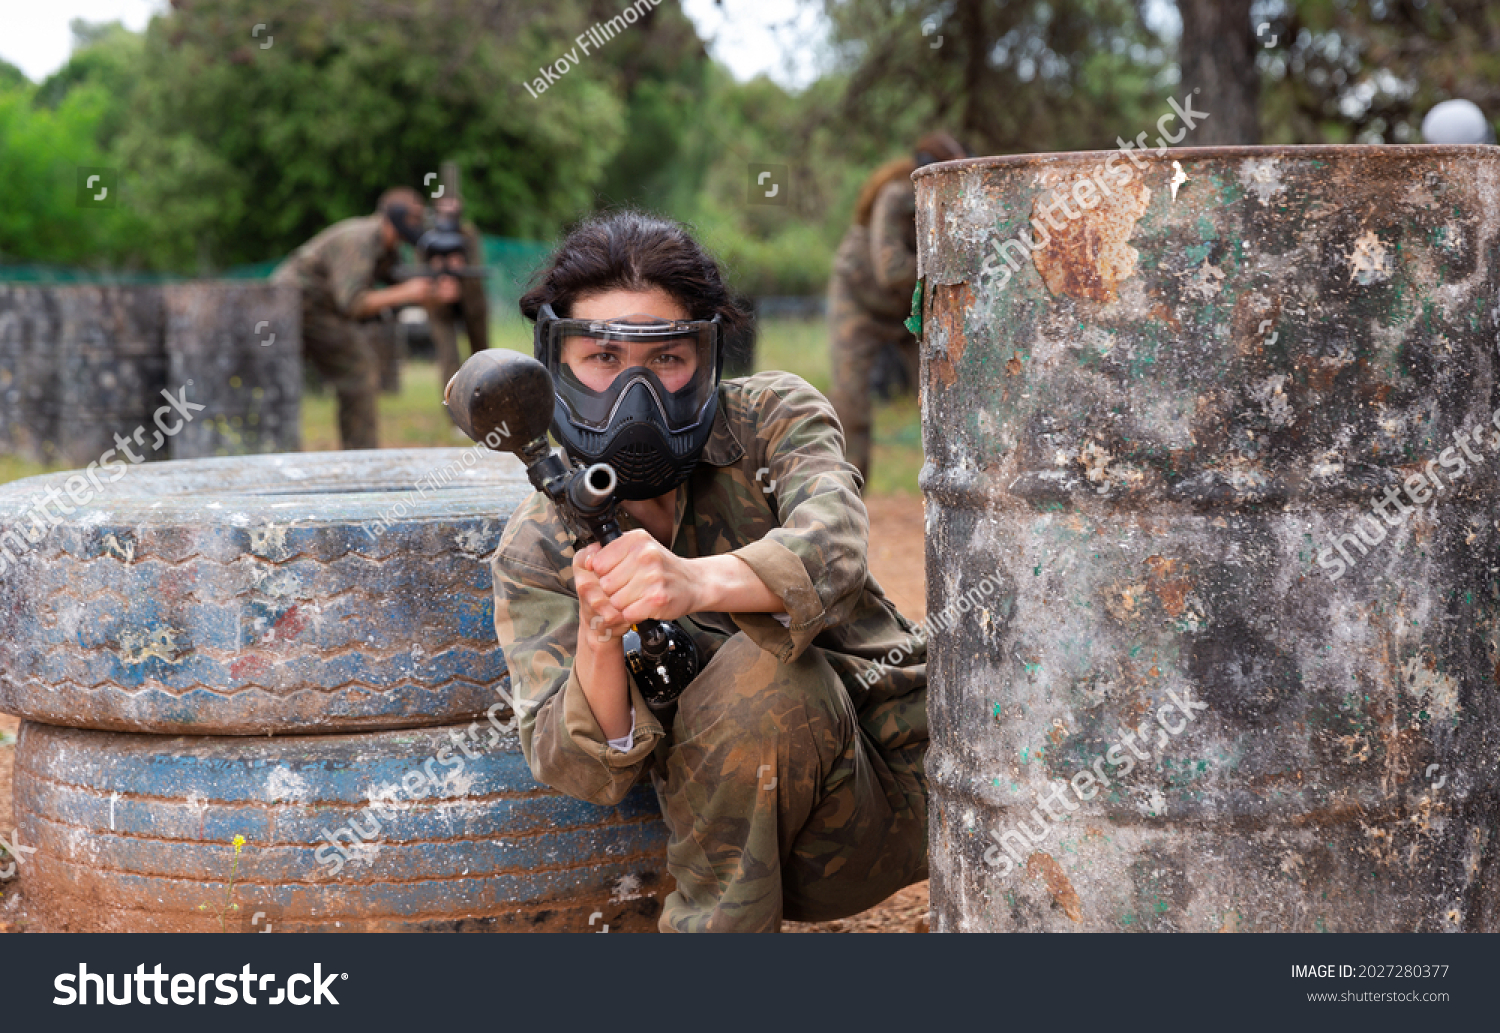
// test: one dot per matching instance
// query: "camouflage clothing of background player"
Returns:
(790, 773)
(473, 309)
(333, 270)
(869, 298)
(870, 292)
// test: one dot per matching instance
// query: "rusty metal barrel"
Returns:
(1212, 439)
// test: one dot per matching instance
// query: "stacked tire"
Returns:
(296, 650)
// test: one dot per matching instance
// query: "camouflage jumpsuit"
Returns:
(472, 308)
(791, 772)
(333, 270)
(869, 298)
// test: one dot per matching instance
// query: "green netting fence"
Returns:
(511, 264)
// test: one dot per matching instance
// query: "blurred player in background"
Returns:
(340, 273)
(869, 295)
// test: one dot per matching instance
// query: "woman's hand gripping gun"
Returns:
(504, 400)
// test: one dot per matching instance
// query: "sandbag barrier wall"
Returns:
(1222, 424)
(80, 365)
(298, 650)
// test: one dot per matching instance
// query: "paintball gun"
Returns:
(505, 393)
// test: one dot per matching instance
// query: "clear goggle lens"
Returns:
(593, 363)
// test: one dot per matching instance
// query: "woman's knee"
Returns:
(745, 690)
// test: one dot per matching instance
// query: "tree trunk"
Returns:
(1217, 56)
(970, 19)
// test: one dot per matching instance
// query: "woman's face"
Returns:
(597, 363)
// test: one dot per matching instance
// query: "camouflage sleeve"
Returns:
(816, 560)
(536, 622)
(892, 238)
(351, 259)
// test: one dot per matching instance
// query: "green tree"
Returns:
(242, 150)
(107, 55)
(12, 78)
(41, 150)
(1006, 77)
(662, 72)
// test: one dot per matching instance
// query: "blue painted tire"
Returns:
(296, 593)
(135, 832)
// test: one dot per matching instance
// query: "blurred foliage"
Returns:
(1367, 71)
(41, 150)
(233, 153)
(236, 152)
(11, 77)
(1006, 77)
(250, 151)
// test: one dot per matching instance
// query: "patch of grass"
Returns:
(896, 458)
(797, 346)
(13, 469)
(801, 347)
(415, 418)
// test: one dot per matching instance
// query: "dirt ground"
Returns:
(896, 560)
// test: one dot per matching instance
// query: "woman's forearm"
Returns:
(728, 585)
(600, 667)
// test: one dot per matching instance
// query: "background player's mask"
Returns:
(407, 222)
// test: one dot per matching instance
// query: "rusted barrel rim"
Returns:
(1361, 150)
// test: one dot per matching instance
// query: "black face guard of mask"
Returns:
(652, 437)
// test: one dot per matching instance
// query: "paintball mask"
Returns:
(408, 222)
(638, 393)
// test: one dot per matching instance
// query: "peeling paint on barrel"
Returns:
(1151, 471)
(1089, 256)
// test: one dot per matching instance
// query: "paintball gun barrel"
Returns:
(507, 397)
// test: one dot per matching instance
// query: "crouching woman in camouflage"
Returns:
(790, 771)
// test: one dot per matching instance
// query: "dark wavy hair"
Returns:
(635, 251)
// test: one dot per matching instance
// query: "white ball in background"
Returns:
(1457, 121)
